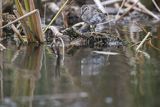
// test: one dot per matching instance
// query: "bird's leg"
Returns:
(92, 28)
(85, 28)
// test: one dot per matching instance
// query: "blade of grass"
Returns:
(39, 27)
(19, 7)
(32, 26)
(27, 7)
(25, 28)
(17, 33)
(20, 18)
(24, 22)
(62, 7)
(32, 19)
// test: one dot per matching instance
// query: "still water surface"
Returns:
(33, 76)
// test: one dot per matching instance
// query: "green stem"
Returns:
(56, 16)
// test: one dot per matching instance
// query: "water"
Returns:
(33, 76)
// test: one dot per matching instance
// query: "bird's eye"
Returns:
(84, 9)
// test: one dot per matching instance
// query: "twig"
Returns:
(110, 2)
(20, 18)
(17, 33)
(135, 44)
(154, 2)
(123, 2)
(130, 8)
(106, 53)
(135, 8)
(145, 9)
(142, 42)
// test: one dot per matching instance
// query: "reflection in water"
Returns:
(26, 64)
(29, 59)
(92, 64)
(33, 77)
(57, 67)
(102, 77)
(1, 76)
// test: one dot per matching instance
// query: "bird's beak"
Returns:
(83, 12)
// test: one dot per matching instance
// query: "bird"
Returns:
(92, 15)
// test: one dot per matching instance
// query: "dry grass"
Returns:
(32, 27)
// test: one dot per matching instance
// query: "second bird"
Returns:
(92, 15)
